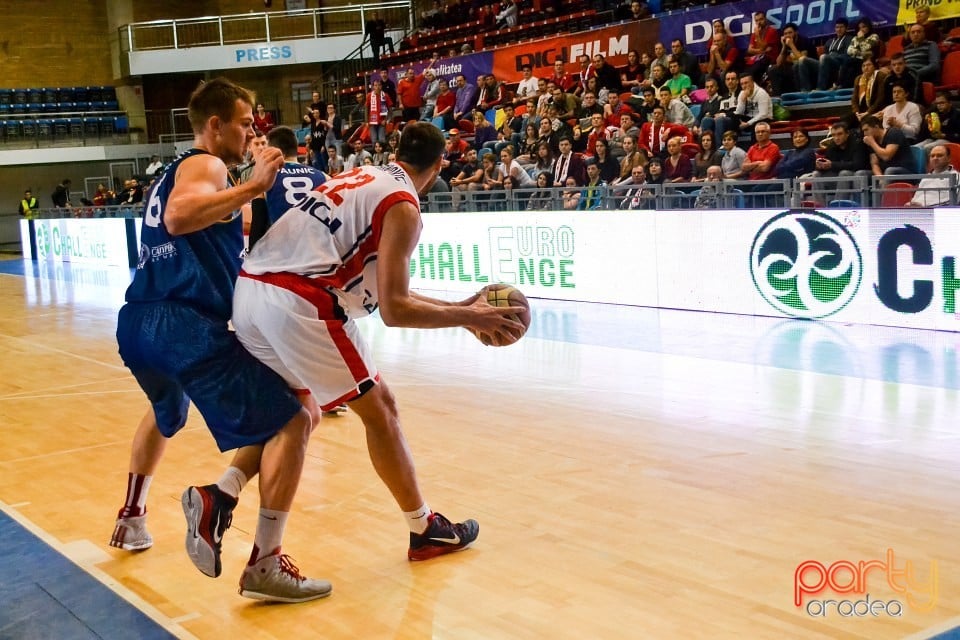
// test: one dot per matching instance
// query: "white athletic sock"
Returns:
(232, 482)
(418, 520)
(270, 526)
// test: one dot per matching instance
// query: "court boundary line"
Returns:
(952, 624)
(129, 596)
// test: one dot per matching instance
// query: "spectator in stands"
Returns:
(628, 128)
(639, 10)
(528, 87)
(132, 192)
(542, 198)
(466, 98)
(378, 105)
(940, 186)
(547, 134)
(608, 165)
(591, 196)
(753, 104)
(484, 135)
(635, 197)
(633, 73)
(409, 95)
(61, 194)
(588, 107)
(763, 48)
(386, 84)
(358, 156)
(513, 170)
(733, 157)
(726, 118)
(467, 48)
(509, 14)
(679, 83)
(614, 109)
(589, 135)
(761, 164)
(946, 126)
(723, 56)
(676, 111)
(334, 127)
(835, 56)
(890, 151)
(263, 120)
(492, 180)
(430, 92)
(795, 68)
(29, 206)
(376, 31)
(586, 72)
(799, 160)
(654, 134)
(931, 31)
(864, 42)
(357, 112)
(491, 95)
(379, 155)
(922, 55)
(689, 64)
(643, 107)
(658, 77)
(566, 81)
(868, 90)
(393, 142)
(560, 127)
(570, 197)
(902, 114)
(846, 156)
(659, 56)
(452, 159)
(709, 196)
(446, 103)
(676, 165)
(545, 158)
(316, 103)
(470, 178)
(334, 161)
(655, 171)
(709, 109)
(155, 165)
(528, 146)
(607, 76)
(904, 76)
(708, 156)
(568, 165)
(632, 157)
(565, 103)
(102, 197)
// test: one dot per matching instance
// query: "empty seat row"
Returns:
(57, 107)
(57, 94)
(46, 128)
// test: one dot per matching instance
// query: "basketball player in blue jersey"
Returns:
(173, 336)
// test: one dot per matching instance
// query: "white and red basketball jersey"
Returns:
(327, 243)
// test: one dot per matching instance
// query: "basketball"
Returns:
(504, 295)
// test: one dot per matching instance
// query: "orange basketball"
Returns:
(504, 295)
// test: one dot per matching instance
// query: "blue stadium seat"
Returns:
(695, 109)
(28, 128)
(39, 95)
(98, 105)
(20, 96)
(843, 94)
(817, 96)
(919, 159)
(80, 94)
(843, 204)
(44, 128)
(121, 124)
(65, 94)
(76, 127)
(66, 107)
(18, 107)
(61, 126)
(82, 105)
(33, 107)
(5, 110)
(13, 130)
(6, 96)
(108, 94)
(49, 107)
(112, 105)
(94, 94)
(91, 127)
(106, 125)
(793, 99)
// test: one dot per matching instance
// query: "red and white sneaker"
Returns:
(441, 537)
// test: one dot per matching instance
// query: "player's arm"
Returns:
(399, 307)
(200, 197)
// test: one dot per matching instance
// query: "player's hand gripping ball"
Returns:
(504, 295)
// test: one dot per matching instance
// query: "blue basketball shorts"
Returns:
(179, 354)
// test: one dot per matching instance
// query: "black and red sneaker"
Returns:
(441, 537)
(209, 512)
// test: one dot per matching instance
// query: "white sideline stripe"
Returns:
(935, 630)
(169, 624)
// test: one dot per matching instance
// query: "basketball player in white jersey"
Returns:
(339, 254)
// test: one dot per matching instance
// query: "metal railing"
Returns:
(273, 26)
(89, 211)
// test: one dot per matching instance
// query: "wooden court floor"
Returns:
(636, 474)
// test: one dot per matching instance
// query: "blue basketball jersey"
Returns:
(293, 182)
(199, 268)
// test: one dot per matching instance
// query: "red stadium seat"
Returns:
(954, 150)
(897, 194)
(951, 71)
(894, 45)
(466, 126)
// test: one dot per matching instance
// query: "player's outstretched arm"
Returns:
(399, 307)
(200, 197)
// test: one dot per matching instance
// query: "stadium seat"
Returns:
(466, 127)
(953, 149)
(65, 94)
(817, 96)
(18, 107)
(33, 107)
(28, 128)
(793, 99)
(6, 96)
(919, 159)
(894, 45)
(106, 125)
(91, 127)
(4, 111)
(843, 204)
(13, 130)
(49, 107)
(80, 94)
(44, 128)
(843, 94)
(76, 127)
(950, 78)
(929, 93)
(19, 96)
(897, 194)
(40, 95)
(121, 124)
(61, 126)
